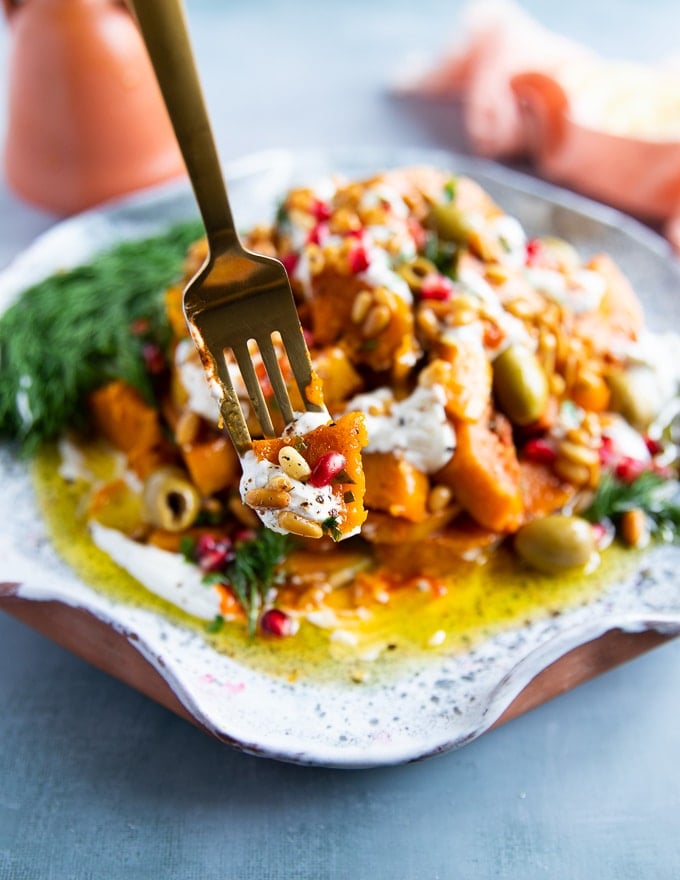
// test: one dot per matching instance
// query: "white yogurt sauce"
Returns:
(165, 574)
(415, 428)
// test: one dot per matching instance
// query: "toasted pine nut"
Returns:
(187, 427)
(298, 525)
(571, 471)
(377, 319)
(244, 514)
(428, 323)
(578, 453)
(361, 305)
(438, 498)
(280, 483)
(269, 499)
(315, 259)
(293, 464)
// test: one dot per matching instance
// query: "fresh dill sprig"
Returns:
(657, 496)
(253, 571)
(71, 332)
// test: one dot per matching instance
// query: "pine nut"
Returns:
(439, 498)
(571, 471)
(293, 464)
(298, 525)
(187, 427)
(361, 305)
(280, 483)
(578, 453)
(377, 319)
(428, 323)
(315, 259)
(269, 499)
(245, 515)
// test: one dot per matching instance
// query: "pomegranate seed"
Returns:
(358, 259)
(213, 553)
(277, 623)
(629, 469)
(153, 358)
(607, 451)
(654, 446)
(603, 533)
(319, 232)
(326, 469)
(437, 287)
(539, 450)
(243, 535)
(309, 337)
(140, 326)
(290, 261)
(534, 252)
(321, 210)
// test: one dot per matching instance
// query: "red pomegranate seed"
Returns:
(277, 623)
(153, 358)
(607, 451)
(539, 450)
(437, 287)
(326, 469)
(213, 553)
(629, 469)
(321, 210)
(534, 252)
(319, 232)
(654, 446)
(290, 261)
(358, 259)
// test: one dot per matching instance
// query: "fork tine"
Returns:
(301, 365)
(253, 388)
(271, 362)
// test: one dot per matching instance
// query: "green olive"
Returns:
(556, 543)
(171, 502)
(520, 385)
(448, 221)
(635, 395)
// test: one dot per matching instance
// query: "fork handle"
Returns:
(164, 29)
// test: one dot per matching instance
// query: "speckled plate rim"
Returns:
(431, 706)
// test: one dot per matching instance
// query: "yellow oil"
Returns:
(479, 600)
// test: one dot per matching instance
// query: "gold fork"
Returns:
(236, 296)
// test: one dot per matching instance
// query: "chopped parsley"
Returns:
(78, 329)
(331, 527)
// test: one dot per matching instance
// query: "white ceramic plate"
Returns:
(434, 705)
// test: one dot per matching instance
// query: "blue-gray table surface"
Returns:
(97, 781)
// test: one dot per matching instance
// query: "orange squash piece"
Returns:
(347, 436)
(395, 486)
(484, 474)
(121, 414)
(213, 465)
(542, 490)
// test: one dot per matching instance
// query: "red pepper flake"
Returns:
(437, 287)
(277, 623)
(358, 258)
(327, 469)
(539, 450)
(290, 261)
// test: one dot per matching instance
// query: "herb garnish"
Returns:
(253, 571)
(656, 495)
(331, 527)
(74, 331)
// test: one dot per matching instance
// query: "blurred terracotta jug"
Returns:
(86, 119)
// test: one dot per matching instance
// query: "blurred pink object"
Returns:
(608, 129)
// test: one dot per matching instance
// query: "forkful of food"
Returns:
(306, 480)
